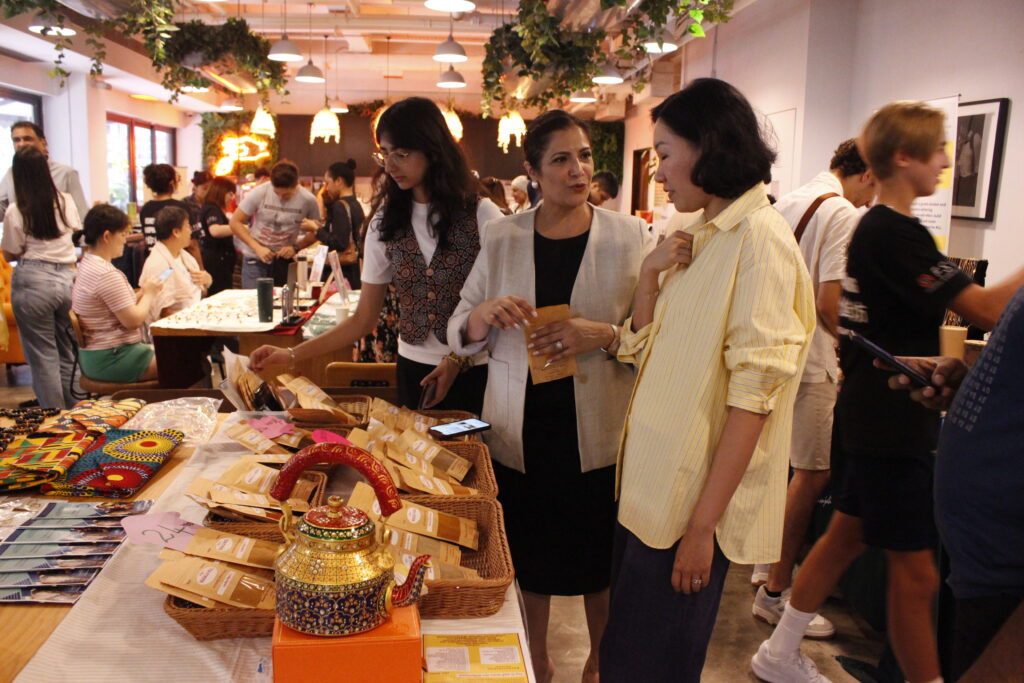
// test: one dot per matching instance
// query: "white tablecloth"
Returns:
(118, 630)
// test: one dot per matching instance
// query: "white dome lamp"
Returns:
(451, 79)
(450, 51)
(661, 43)
(285, 50)
(583, 96)
(450, 6)
(310, 73)
(609, 75)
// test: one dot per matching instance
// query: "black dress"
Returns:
(218, 252)
(559, 520)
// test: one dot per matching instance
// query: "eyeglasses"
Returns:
(381, 157)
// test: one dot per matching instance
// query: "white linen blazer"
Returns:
(603, 292)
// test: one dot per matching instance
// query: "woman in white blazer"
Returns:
(554, 444)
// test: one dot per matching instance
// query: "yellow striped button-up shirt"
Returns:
(730, 330)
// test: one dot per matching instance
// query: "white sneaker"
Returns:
(794, 669)
(760, 575)
(769, 609)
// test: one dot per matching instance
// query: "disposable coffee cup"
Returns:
(265, 298)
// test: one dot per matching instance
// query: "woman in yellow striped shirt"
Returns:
(704, 452)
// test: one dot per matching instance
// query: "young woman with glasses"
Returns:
(424, 238)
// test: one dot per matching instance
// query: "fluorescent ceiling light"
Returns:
(609, 75)
(310, 73)
(451, 79)
(285, 50)
(145, 98)
(46, 30)
(450, 51)
(450, 6)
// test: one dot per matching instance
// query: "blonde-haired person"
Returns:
(520, 194)
(897, 289)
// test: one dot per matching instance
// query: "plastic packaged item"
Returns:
(195, 416)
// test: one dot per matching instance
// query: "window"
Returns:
(15, 106)
(131, 146)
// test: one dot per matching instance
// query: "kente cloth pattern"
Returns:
(40, 458)
(118, 464)
(93, 416)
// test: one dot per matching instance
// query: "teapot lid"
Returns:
(336, 521)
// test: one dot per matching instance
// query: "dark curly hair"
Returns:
(847, 160)
(160, 178)
(415, 123)
(716, 118)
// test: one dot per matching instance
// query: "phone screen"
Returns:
(459, 428)
(887, 358)
(166, 274)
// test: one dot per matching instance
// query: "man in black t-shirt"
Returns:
(897, 289)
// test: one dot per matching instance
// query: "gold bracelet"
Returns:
(464, 362)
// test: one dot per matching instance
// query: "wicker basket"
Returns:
(357, 406)
(213, 623)
(470, 598)
(215, 521)
(481, 476)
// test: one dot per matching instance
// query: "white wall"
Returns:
(921, 49)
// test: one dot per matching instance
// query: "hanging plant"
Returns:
(50, 13)
(607, 141)
(643, 23)
(559, 60)
(197, 44)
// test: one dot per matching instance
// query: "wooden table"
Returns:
(24, 628)
(180, 354)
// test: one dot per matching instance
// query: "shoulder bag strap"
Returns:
(806, 218)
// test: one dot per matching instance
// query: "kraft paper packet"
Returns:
(436, 454)
(207, 491)
(374, 445)
(540, 371)
(221, 545)
(268, 574)
(253, 440)
(156, 580)
(267, 458)
(216, 581)
(419, 519)
(257, 478)
(416, 482)
(292, 439)
(402, 418)
(435, 571)
(407, 458)
(312, 397)
(416, 545)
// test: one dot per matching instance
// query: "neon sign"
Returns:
(237, 149)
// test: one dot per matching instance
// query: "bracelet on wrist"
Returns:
(291, 355)
(615, 338)
(464, 362)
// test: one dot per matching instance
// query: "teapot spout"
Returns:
(409, 592)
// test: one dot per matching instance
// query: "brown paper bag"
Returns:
(540, 371)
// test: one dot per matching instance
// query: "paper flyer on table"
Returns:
(473, 658)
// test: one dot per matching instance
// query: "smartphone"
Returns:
(461, 428)
(887, 358)
(427, 395)
(162, 277)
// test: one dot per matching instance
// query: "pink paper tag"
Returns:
(165, 529)
(324, 436)
(270, 426)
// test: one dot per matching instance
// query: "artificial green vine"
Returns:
(51, 13)
(607, 141)
(562, 60)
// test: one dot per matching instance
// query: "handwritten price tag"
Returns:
(165, 529)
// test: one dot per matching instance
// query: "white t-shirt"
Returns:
(58, 250)
(179, 291)
(823, 246)
(377, 270)
(275, 224)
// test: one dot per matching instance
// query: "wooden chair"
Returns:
(341, 374)
(96, 386)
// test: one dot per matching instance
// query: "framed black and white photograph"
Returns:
(978, 157)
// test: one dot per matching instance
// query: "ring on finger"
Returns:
(697, 582)
(559, 345)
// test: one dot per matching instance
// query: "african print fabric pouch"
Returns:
(93, 416)
(118, 464)
(40, 458)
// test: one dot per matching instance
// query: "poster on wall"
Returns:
(936, 211)
(980, 137)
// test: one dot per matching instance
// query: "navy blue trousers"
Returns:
(654, 633)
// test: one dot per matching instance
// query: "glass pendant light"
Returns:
(511, 129)
(326, 123)
(263, 123)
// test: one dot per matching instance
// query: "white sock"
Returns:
(786, 639)
(934, 680)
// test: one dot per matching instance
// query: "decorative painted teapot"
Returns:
(333, 578)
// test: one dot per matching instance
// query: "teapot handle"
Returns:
(339, 454)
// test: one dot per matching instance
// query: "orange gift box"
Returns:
(390, 653)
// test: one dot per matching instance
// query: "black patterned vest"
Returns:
(427, 295)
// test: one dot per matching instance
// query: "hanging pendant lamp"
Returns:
(285, 50)
(450, 51)
(263, 123)
(452, 120)
(451, 79)
(511, 129)
(450, 6)
(325, 125)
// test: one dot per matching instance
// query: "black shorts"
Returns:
(892, 497)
